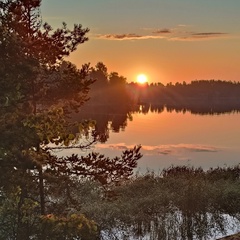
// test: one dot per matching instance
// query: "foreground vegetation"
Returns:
(179, 203)
(39, 92)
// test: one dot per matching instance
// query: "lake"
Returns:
(171, 137)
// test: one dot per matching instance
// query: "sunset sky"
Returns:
(168, 40)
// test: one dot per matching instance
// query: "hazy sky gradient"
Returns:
(168, 40)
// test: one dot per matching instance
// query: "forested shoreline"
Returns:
(197, 97)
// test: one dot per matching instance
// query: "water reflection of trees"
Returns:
(107, 118)
(197, 97)
(199, 108)
(114, 117)
(113, 100)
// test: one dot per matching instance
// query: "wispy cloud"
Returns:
(163, 149)
(164, 30)
(180, 33)
(168, 149)
(129, 36)
(200, 36)
(207, 34)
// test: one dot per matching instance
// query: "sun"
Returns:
(142, 79)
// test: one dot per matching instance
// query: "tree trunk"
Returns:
(41, 191)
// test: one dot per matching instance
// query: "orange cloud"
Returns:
(174, 34)
(129, 36)
(163, 149)
(200, 36)
(165, 30)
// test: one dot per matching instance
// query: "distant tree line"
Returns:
(112, 88)
(112, 91)
(112, 100)
(108, 88)
(198, 97)
(195, 91)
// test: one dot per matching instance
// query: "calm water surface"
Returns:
(171, 138)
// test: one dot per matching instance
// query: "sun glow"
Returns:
(142, 79)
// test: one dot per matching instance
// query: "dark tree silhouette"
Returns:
(39, 90)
